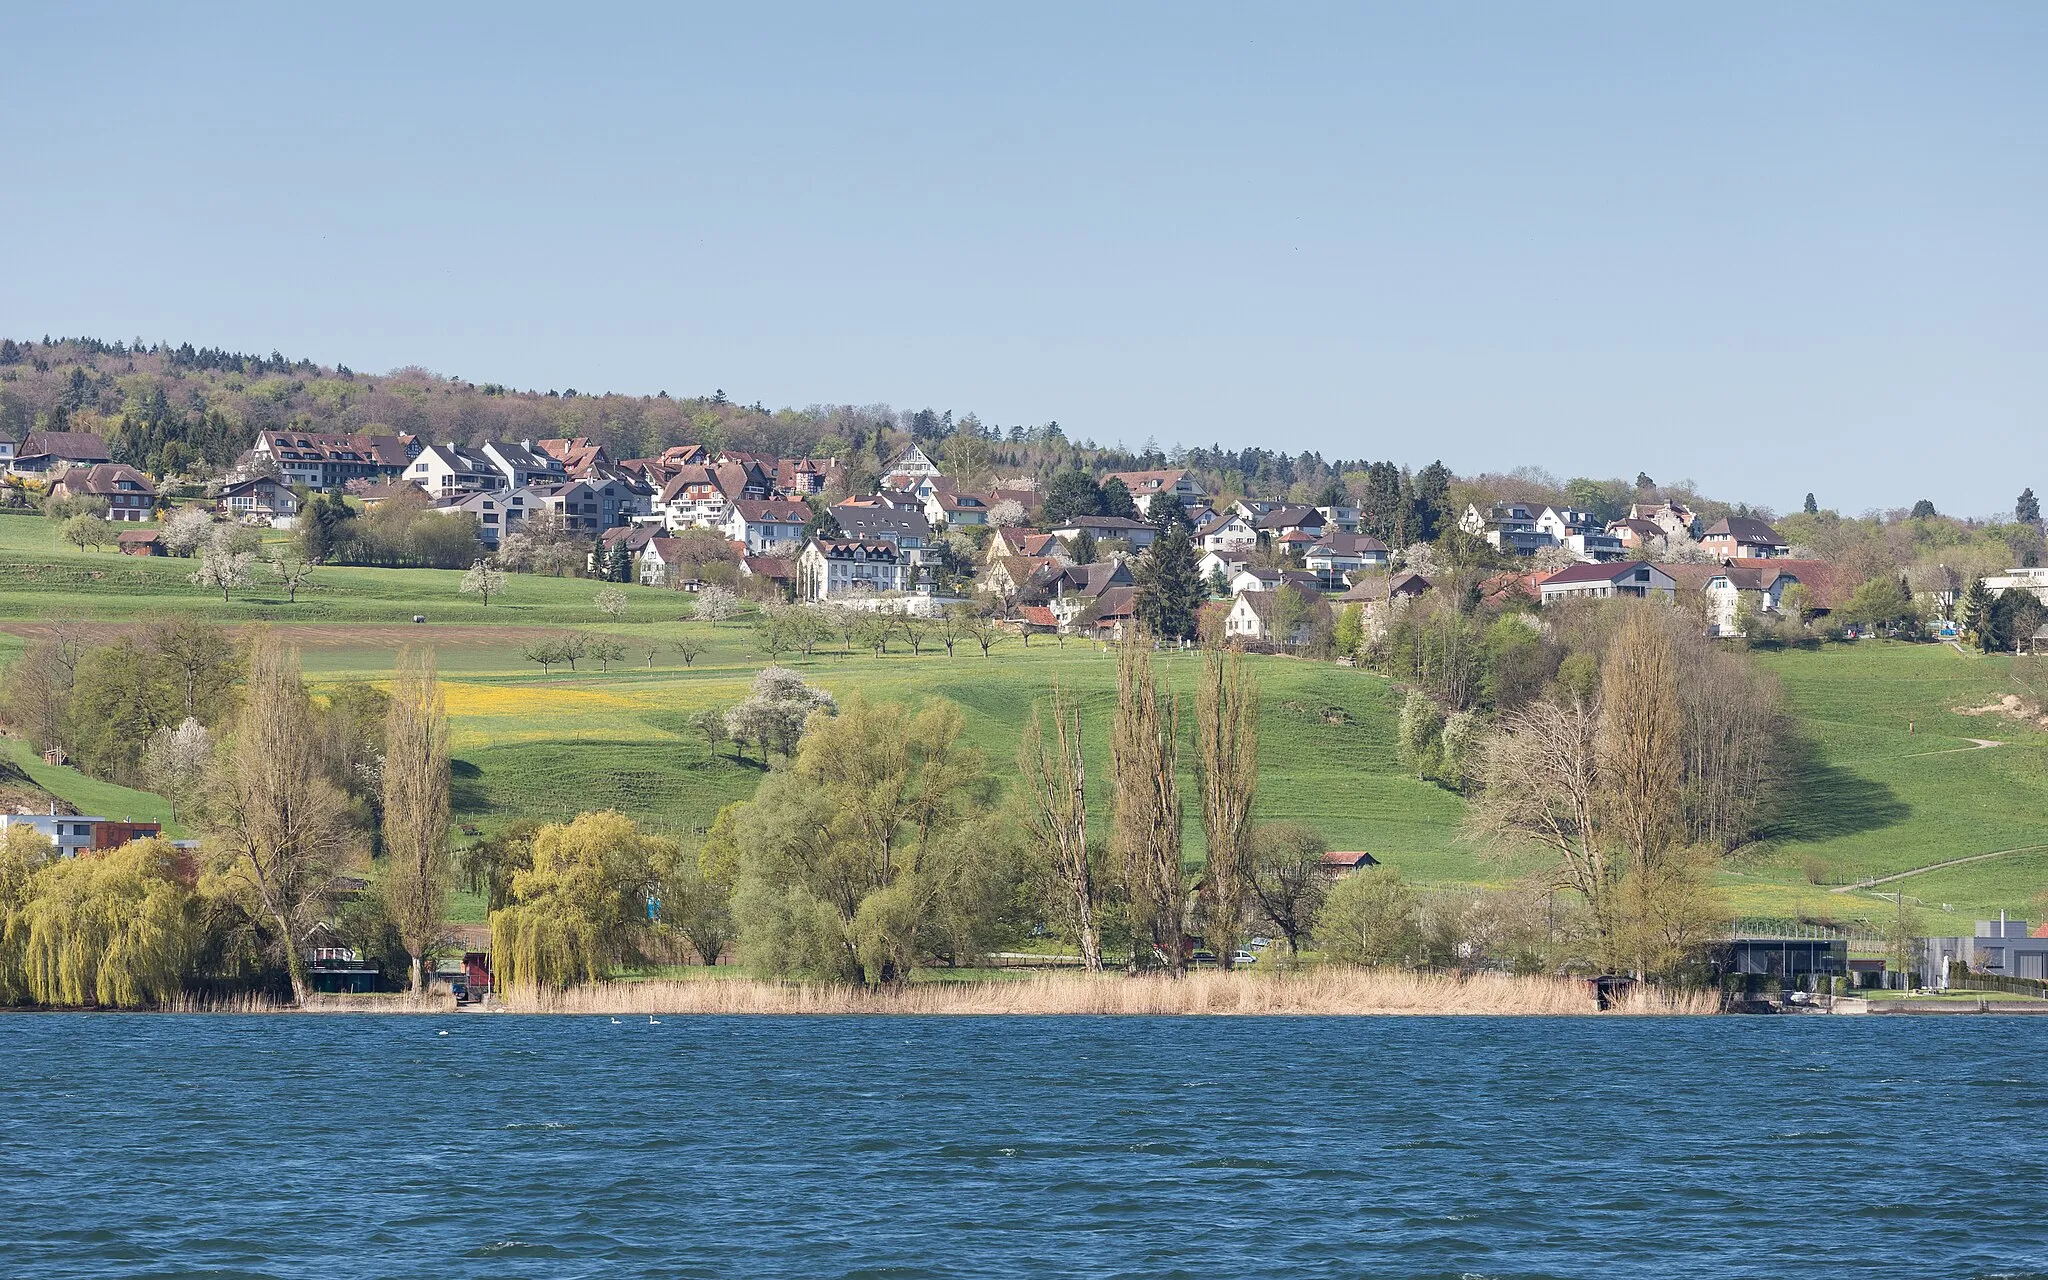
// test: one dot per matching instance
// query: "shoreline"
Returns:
(1322, 993)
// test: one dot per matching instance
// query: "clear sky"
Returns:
(1770, 247)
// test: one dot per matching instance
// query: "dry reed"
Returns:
(1327, 992)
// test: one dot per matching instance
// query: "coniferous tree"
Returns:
(1812, 507)
(618, 565)
(1427, 503)
(1117, 500)
(2028, 509)
(823, 523)
(1976, 607)
(1073, 492)
(1170, 587)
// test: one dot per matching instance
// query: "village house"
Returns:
(1024, 542)
(1263, 615)
(1226, 532)
(1336, 556)
(139, 542)
(6, 452)
(578, 457)
(448, 470)
(1510, 527)
(581, 505)
(1637, 536)
(1011, 576)
(907, 530)
(71, 833)
(1742, 538)
(2034, 580)
(955, 510)
(49, 452)
(700, 495)
(1627, 578)
(763, 524)
(1108, 615)
(913, 461)
(1674, 518)
(521, 464)
(1341, 517)
(779, 570)
(327, 463)
(1250, 579)
(1137, 533)
(805, 477)
(840, 568)
(1214, 564)
(1754, 585)
(264, 497)
(1073, 588)
(1177, 485)
(634, 538)
(129, 495)
(1271, 521)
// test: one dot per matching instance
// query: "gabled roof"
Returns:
(1289, 515)
(1092, 579)
(772, 511)
(1108, 524)
(71, 446)
(1823, 584)
(1115, 603)
(635, 536)
(1340, 543)
(577, 455)
(106, 478)
(1746, 531)
(1376, 587)
(776, 568)
(1144, 482)
(1038, 615)
(861, 521)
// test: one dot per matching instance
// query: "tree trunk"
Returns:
(418, 975)
(295, 962)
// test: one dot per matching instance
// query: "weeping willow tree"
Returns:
(582, 906)
(119, 930)
(23, 853)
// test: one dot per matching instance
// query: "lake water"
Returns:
(372, 1147)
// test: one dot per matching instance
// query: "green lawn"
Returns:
(1883, 780)
(89, 795)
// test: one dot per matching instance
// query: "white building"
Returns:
(762, 524)
(839, 568)
(71, 834)
(1629, 578)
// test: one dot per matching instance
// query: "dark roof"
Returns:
(767, 566)
(1613, 571)
(106, 477)
(1354, 859)
(850, 548)
(1744, 529)
(1289, 515)
(1376, 587)
(773, 511)
(72, 446)
(1348, 544)
(1115, 524)
(1117, 602)
(872, 521)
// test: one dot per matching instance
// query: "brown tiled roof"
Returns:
(775, 567)
(72, 446)
(1612, 571)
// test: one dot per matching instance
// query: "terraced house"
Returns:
(329, 463)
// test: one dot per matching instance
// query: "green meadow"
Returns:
(1884, 777)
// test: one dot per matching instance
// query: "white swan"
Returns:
(653, 1021)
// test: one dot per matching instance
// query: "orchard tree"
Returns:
(483, 580)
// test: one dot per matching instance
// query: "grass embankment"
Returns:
(1868, 796)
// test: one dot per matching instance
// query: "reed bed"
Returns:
(1326, 992)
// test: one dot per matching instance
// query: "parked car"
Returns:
(1243, 957)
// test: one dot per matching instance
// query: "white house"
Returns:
(1628, 578)
(70, 833)
(908, 531)
(445, 470)
(765, 523)
(913, 461)
(1213, 563)
(850, 567)
(264, 496)
(6, 452)
(522, 464)
(1510, 526)
(2034, 580)
(955, 510)
(1177, 485)
(1343, 517)
(1258, 615)
(1227, 531)
(1337, 555)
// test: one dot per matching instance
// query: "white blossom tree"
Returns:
(611, 602)
(775, 709)
(483, 580)
(223, 566)
(715, 603)
(1007, 514)
(174, 760)
(186, 530)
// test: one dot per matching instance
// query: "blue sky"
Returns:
(1771, 248)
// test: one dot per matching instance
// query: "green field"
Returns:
(1866, 795)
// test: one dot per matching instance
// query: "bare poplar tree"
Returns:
(1227, 769)
(1144, 736)
(416, 807)
(1640, 733)
(281, 830)
(1056, 815)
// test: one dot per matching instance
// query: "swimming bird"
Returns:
(653, 1021)
(440, 1033)
(617, 1023)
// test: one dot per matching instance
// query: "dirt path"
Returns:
(1979, 744)
(1936, 866)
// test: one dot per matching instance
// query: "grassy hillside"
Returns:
(1886, 778)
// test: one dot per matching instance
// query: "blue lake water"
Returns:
(373, 1147)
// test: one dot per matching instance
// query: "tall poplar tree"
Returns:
(416, 807)
(1227, 769)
